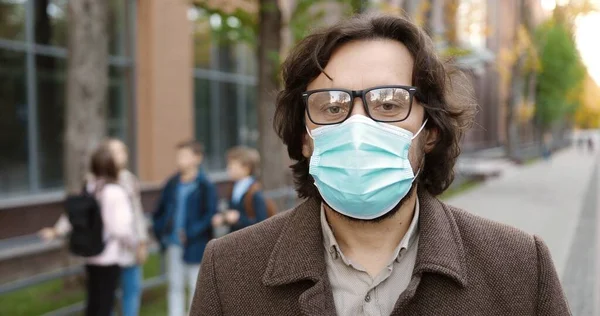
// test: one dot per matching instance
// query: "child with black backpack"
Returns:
(100, 223)
(132, 260)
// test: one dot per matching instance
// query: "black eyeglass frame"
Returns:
(412, 91)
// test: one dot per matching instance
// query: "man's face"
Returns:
(364, 64)
(361, 65)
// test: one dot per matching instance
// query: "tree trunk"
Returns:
(518, 84)
(87, 87)
(451, 27)
(274, 161)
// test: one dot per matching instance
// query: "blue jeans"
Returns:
(131, 285)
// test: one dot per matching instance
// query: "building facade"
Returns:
(172, 78)
(179, 72)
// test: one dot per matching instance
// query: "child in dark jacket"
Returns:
(182, 224)
(247, 205)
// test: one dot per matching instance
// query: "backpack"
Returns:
(84, 213)
(249, 206)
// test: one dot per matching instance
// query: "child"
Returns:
(131, 270)
(103, 270)
(248, 205)
(182, 224)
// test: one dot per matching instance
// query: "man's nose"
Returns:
(358, 107)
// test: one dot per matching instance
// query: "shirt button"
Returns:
(368, 298)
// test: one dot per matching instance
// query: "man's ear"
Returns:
(306, 146)
(433, 136)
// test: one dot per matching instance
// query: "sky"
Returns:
(587, 36)
(588, 42)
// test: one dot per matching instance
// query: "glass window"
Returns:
(249, 134)
(250, 61)
(226, 58)
(202, 119)
(228, 119)
(50, 28)
(118, 114)
(51, 78)
(216, 118)
(14, 173)
(51, 24)
(12, 19)
(225, 111)
(118, 20)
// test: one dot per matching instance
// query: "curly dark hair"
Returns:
(445, 94)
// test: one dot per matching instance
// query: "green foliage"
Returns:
(561, 74)
(455, 52)
(305, 17)
(246, 31)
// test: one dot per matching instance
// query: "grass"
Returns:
(531, 161)
(459, 189)
(52, 295)
(40, 299)
(154, 302)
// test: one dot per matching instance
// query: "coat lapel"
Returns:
(440, 249)
(299, 256)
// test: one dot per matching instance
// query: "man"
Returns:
(182, 223)
(374, 120)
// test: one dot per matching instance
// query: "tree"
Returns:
(270, 27)
(562, 72)
(588, 114)
(522, 62)
(273, 158)
(87, 86)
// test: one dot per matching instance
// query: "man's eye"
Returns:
(334, 109)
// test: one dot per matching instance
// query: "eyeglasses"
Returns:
(383, 104)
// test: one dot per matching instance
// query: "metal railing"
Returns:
(286, 195)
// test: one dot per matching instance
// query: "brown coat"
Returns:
(466, 265)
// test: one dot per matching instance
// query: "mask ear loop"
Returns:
(417, 134)
(420, 129)
(308, 132)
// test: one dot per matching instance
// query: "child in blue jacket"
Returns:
(182, 224)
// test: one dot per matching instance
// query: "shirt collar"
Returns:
(245, 180)
(240, 187)
(333, 248)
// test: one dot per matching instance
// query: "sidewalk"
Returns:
(556, 200)
(545, 198)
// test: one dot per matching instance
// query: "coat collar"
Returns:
(299, 254)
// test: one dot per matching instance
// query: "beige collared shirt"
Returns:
(355, 292)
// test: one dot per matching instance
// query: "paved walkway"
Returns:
(559, 201)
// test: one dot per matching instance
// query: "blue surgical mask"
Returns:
(361, 167)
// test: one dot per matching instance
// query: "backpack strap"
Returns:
(204, 191)
(248, 199)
